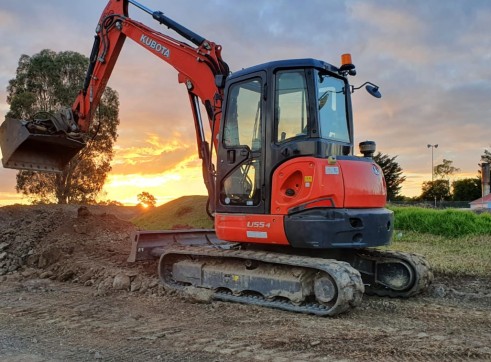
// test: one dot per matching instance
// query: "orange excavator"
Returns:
(297, 215)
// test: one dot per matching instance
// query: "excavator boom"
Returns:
(49, 142)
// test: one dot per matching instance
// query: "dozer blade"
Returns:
(26, 150)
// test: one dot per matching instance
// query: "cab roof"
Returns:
(282, 64)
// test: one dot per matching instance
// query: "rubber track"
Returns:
(421, 270)
(349, 284)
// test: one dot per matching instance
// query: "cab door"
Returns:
(241, 151)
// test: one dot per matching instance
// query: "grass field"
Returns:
(452, 223)
(454, 242)
(185, 212)
(466, 255)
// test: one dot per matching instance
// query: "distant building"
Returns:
(481, 203)
(485, 201)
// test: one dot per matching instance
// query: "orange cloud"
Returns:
(155, 146)
(153, 156)
(10, 198)
(184, 178)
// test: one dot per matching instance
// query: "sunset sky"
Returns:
(431, 59)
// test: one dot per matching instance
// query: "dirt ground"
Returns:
(68, 294)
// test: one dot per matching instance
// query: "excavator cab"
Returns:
(46, 143)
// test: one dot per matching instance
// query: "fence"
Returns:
(434, 204)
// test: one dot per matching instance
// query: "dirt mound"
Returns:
(71, 243)
(49, 254)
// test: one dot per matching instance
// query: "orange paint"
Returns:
(310, 182)
(262, 229)
(364, 184)
(307, 177)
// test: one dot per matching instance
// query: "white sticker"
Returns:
(332, 170)
(257, 234)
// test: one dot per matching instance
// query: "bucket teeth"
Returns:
(27, 149)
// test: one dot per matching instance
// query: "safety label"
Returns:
(332, 170)
(257, 234)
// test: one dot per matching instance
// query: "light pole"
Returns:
(432, 147)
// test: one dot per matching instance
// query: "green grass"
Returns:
(466, 255)
(455, 242)
(186, 212)
(450, 223)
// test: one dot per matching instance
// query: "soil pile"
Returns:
(68, 294)
(70, 243)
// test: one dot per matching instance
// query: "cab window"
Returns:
(291, 105)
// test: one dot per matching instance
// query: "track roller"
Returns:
(393, 273)
(309, 285)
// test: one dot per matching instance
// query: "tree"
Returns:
(46, 82)
(392, 173)
(435, 190)
(486, 156)
(467, 189)
(445, 169)
(146, 199)
(110, 203)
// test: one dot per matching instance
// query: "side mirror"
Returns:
(373, 90)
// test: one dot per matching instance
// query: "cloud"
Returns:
(430, 58)
(185, 178)
(8, 195)
(154, 156)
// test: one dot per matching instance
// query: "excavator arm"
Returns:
(197, 66)
(32, 145)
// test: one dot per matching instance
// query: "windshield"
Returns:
(331, 100)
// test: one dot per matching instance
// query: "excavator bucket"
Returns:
(26, 149)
